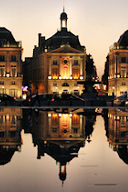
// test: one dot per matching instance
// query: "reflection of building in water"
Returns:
(59, 135)
(10, 128)
(118, 132)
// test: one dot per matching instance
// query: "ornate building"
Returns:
(10, 133)
(58, 62)
(117, 132)
(10, 64)
(118, 66)
(60, 135)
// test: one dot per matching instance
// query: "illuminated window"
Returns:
(123, 73)
(75, 73)
(55, 73)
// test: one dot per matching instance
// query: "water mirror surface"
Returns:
(66, 150)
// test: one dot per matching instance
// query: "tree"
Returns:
(90, 68)
(106, 72)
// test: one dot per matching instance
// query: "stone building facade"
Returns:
(10, 64)
(58, 63)
(118, 67)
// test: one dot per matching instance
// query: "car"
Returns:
(7, 99)
(121, 100)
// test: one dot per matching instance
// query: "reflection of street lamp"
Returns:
(113, 88)
(3, 88)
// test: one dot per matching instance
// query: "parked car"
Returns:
(7, 99)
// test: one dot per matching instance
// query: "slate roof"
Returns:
(123, 40)
(6, 37)
(63, 37)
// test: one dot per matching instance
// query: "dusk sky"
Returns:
(99, 23)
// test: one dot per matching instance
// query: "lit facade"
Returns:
(56, 127)
(58, 63)
(117, 128)
(118, 67)
(10, 128)
(10, 64)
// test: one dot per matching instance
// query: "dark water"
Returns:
(64, 150)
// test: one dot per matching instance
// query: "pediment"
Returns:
(65, 49)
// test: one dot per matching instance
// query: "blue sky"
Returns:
(99, 23)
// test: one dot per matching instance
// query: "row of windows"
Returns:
(65, 62)
(12, 58)
(12, 83)
(2, 72)
(65, 84)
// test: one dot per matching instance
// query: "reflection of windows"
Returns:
(13, 58)
(123, 83)
(123, 59)
(13, 92)
(12, 133)
(2, 58)
(13, 72)
(1, 82)
(76, 92)
(55, 120)
(13, 82)
(54, 84)
(1, 134)
(54, 130)
(123, 72)
(75, 130)
(1, 72)
(13, 120)
(54, 62)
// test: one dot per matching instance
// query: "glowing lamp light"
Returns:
(49, 77)
(25, 88)
(60, 77)
(7, 74)
(71, 77)
(49, 115)
(55, 77)
(81, 77)
(24, 96)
